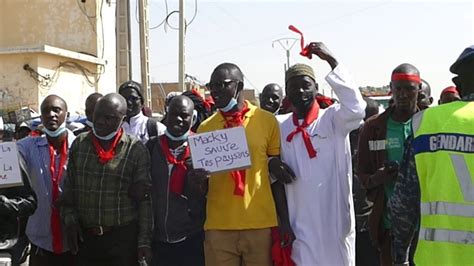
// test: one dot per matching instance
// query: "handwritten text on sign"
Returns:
(220, 150)
(10, 174)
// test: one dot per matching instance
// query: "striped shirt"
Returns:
(35, 152)
(97, 195)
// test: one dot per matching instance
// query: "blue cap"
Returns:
(467, 54)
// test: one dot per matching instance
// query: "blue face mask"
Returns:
(232, 103)
(180, 138)
(60, 130)
(89, 123)
(109, 136)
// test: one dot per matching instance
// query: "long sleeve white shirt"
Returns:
(137, 127)
(320, 200)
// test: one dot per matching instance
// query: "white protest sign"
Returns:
(10, 175)
(220, 150)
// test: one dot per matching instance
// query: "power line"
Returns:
(275, 36)
(164, 20)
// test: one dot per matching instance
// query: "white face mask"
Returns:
(56, 132)
(109, 136)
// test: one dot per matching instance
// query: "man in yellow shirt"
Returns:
(240, 205)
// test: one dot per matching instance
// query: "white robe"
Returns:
(320, 200)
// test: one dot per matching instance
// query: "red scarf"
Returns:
(56, 175)
(310, 117)
(236, 119)
(305, 50)
(106, 156)
(178, 173)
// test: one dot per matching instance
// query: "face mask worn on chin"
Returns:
(182, 137)
(232, 103)
(56, 132)
(185, 135)
(109, 136)
(89, 123)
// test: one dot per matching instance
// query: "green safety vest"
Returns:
(444, 155)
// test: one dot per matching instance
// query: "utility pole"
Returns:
(286, 44)
(124, 55)
(144, 50)
(182, 34)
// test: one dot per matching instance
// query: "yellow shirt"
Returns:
(256, 209)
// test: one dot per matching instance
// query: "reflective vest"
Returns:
(444, 155)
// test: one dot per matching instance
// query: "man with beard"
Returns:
(46, 158)
(381, 145)
(136, 123)
(178, 204)
(435, 192)
(240, 205)
(315, 144)
(271, 97)
(91, 101)
(115, 228)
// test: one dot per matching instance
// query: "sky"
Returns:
(370, 38)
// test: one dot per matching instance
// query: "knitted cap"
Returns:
(299, 70)
(132, 85)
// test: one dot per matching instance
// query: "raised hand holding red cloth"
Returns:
(305, 49)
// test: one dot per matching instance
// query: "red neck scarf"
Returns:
(310, 117)
(56, 175)
(106, 155)
(178, 173)
(236, 119)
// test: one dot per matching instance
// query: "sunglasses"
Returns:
(221, 84)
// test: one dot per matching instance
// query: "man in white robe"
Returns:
(315, 144)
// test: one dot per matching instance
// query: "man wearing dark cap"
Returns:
(271, 97)
(136, 123)
(380, 151)
(450, 94)
(435, 192)
(314, 143)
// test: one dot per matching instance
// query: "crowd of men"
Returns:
(331, 182)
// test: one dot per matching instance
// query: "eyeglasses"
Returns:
(222, 84)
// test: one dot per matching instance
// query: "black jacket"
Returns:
(175, 216)
(16, 204)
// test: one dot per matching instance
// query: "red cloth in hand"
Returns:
(305, 51)
(281, 256)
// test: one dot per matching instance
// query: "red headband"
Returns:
(450, 89)
(304, 48)
(406, 77)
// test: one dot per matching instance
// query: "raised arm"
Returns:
(351, 110)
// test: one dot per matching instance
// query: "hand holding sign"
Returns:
(220, 150)
(10, 175)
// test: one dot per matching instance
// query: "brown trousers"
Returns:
(238, 247)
